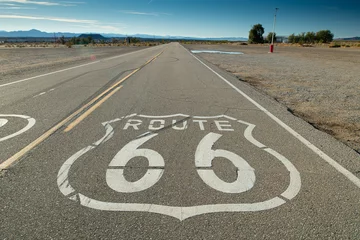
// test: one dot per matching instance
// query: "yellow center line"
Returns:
(90, 110)
(16, 157)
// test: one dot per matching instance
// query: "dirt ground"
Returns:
(320, 85)
(23, 62)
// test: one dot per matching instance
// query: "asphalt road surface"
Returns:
(159, 144)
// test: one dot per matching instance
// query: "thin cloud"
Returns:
(139, 13)
(68, 20)
(17, 8)
(150, 1)
(73, 2)
(100, 28)
(156, 14)
(42, 3)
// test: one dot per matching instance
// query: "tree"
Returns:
(292, 38)
(256, 34)
(84, 41)
(90, 39)
(310, 37)
(269, 37)
(62, 40)
(134, 40)
(324, 36)
(300, 38)
(72, 41)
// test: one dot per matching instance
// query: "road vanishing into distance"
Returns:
(159, 144)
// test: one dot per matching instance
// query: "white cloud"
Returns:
(68, 20)
(98, 28)
(73, 2)
(43, 3)
(92, 25)
(156, 14)
(17, 8)
(139, 13)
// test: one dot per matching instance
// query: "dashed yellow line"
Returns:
(6, 164)
(90, 110)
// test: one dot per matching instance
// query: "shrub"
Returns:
(256, 34)
(335, 45)
(69, 44)
(269, 37)
(325, 35)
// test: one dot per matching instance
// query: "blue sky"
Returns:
(196, 18)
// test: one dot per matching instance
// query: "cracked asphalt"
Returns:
(179, 150)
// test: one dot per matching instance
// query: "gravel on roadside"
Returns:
(320, 85)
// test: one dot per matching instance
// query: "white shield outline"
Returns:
(30, 124)
(180, 213)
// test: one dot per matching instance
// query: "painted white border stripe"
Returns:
(71, 68)
(31, 123)
(320, 153)
(180, 213)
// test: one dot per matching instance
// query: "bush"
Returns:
(269, 37)
(256, 34)
(335, 45)
(69, 44)
(310, 37)
(325, 35)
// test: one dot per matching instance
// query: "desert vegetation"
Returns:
(256, 36)
(323, 36)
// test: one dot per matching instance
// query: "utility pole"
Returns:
(273, 33)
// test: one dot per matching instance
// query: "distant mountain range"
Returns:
(350, 39)
(93, 36)
(35, 33)
(40, 34)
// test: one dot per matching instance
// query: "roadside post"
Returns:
(273, 33)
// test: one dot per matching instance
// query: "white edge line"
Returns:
(315, 149)
(47, 74)
(71, 68)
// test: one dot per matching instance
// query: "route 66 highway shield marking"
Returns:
(212, 130)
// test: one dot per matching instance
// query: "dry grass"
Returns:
(54, 45)
(319, 84)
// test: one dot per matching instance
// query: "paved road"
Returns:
(158, 144)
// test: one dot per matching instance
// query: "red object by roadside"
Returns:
(271, 48)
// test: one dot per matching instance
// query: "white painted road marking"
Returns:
(203, 151)
(203, 159)
(3, 122)
(31, 123)
(40, 94)
(115, 177)
(158, 124)
(315, 149)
